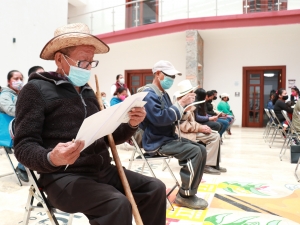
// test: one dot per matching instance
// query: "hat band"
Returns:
(186, 90)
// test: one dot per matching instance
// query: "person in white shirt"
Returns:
(120, 82)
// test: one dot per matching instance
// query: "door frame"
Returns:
(281, 84)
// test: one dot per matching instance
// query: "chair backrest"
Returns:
(287, 118)
(269, 115)
(275, 117)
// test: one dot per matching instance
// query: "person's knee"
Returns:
(157, 187)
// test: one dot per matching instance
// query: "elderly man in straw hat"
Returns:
(50, 111)
(160, 138)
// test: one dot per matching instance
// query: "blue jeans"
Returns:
(21, 167)
(225, 125)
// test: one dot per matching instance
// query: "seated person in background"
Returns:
(224, 107)
(8, 100)
(120, 82)
(121, 94)
(194, 131)
(160, 138)
(296, 117)
(201, 115)
(221, 116)
(35, 69)
(270, 102)
(279, 104)
(294, 95)
(105, 102)
(46, 123)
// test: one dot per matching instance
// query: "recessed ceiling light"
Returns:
(269, 74)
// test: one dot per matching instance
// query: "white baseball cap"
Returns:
(224, 95)
(166, 67)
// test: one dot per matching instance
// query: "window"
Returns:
(141, 13)
(252, 6)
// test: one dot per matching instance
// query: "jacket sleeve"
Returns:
(200, 119)
(8, 104)
(287, 108)
(28, 142)
(222, 108)
(161, 117)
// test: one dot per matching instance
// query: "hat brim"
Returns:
(72, 39)
(178, 94)
(172, 72)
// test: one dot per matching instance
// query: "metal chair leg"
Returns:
(298, 179)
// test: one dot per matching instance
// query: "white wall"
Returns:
(293, 4)
(32, 23)
(227, 51)
(102, 21)
(140, 54)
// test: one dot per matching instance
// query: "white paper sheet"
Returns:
(107, 121)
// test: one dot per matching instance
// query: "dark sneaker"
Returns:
(192, 202)
(210, 170)
(222, 169)
(228, 131)
(22, 175)
(8, 150)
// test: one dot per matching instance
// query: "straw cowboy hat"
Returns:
(184, 87)
(74, 34)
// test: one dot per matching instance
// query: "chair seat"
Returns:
(148, 156)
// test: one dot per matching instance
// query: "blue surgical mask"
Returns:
(166, 83)
(77, 76)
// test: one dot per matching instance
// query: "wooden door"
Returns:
(138, 78)
(254, 98)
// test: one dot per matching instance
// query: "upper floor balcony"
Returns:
(117, 15)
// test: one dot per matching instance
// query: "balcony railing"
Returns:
(143, 12)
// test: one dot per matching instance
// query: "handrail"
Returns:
(102, 9)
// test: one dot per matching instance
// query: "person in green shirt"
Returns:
(224, 107)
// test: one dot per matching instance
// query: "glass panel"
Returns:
(135, 77)
(137, 83)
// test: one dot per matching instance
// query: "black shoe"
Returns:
(192, 202)
(210, 170)
(8, 150)
(22, 175)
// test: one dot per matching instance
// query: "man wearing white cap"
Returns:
(160, 138)
(50, 111)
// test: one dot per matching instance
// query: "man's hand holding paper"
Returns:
(136, 116)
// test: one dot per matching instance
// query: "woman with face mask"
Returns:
(120, 82)
(279, 104)
(8, 99)
(121, 94)
(294, 95)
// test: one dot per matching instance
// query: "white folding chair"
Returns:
(279, 128)
(297, 177)
(13, 168)
(270, 125)
(146, 158)
(292, 134)
(36, 192)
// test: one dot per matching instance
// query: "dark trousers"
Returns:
(213, 125)
(192, 158)
(101, 196)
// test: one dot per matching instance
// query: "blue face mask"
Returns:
(167, 82)
(77, 76)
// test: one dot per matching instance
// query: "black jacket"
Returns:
(210, 108)
(280, 105)
(49, 110)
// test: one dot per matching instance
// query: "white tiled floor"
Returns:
(245, 155)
